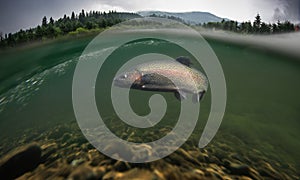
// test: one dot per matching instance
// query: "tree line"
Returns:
(257, 27)
(169, 17)
(74, 24)
(85, 21)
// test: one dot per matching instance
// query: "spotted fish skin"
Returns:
(166, 76)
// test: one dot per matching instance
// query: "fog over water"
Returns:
(287, 43)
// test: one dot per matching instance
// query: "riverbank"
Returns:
(78, 34)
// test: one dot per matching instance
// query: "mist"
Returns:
(287, 43)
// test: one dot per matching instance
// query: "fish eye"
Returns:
(125, 76)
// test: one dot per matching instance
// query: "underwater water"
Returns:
(258, 138)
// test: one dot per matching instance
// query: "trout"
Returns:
(166, 76)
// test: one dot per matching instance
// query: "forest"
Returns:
(257, 27)
(95, 21)
(76, 24)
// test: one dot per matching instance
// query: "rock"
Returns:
(171, 172)
(121, 166)
(244, 178)
(201, 156)
(56, 133)
(224, 147)
(237, 157)
(100, 171)
(191, 175)
(210, 172)
(50, 161)
(139, 174)
(220, 154)
(47, 150)
(107, 162)
(241, 169)
(66, 137)
(77, 162)
(112, 175)
(63, 171)
(199, 172)
(95, 157)
(159, 174)
(217, 168)
(83, 172)
(122, 150)
(76, 158)
(141, 152)
(214, 159)
(268, 171)
(175, 159)
(187, 156)
(20, 161)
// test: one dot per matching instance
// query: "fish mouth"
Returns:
(117, 82)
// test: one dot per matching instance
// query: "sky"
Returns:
(22, 14)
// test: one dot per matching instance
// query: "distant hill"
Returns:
(188, 17)
(126, 15)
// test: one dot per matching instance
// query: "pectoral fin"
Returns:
(180, 95)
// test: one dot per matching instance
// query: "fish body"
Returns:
(166, 76)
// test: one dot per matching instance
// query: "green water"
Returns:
(263, 93)
(262, 108)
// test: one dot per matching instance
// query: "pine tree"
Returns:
(44, 21)
(73, 16)
(51, 21)
(39, 32)
(82, 13)
(257, 23)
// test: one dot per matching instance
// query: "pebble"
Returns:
(213, 173)
(77, 162)
(67, 155)
(122, 150)
(239, 169)
(187, 156)
(47, 150)
(159, 174)
(112, 175)
(95, 157)
(121, 166)
(83, 172)
(268, 171)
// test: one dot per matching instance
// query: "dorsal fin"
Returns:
(184, 60)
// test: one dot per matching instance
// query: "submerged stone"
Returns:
(20, 161)
(83, 172)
